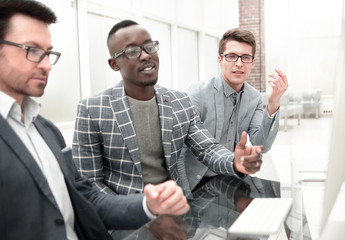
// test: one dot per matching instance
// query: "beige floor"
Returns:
(301, 147)
(300, 156)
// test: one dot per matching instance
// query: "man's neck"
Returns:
(141, 93)
(236, 87)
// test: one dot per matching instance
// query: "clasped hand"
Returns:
(166, 198)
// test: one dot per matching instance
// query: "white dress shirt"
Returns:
(40, 151)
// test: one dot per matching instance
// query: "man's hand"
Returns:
(247, 158)
(279, 86)
(166, 198)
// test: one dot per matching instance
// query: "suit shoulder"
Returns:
(205, 84)
(98, 98)
(50, 126)
(46, 122)
(202, 87)
(252, 93)
(171, 93)
(251, 89)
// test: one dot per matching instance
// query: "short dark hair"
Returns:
(122, 24)
(31, 8)
(239, 35)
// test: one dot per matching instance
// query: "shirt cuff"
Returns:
(273, 114)
(147, 211)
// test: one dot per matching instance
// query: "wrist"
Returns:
(149, 213)
(272, 109)
(238, 173)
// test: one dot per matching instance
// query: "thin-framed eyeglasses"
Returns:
(230, 57)
(35, 54)
(135, 51)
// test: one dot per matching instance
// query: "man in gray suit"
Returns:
(228, 105)
(132, 134)
(42, 195)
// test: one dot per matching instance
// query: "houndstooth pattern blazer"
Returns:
(105, 148)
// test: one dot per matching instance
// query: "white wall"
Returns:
(63, 90)
(188, 33)
(303, 37)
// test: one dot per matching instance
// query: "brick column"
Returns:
(252, 19)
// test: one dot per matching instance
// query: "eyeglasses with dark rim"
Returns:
(233, 58)
(135, 51)
(35, 54)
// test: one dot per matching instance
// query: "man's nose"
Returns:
(239, 61)
(45, 63)
(144, 55)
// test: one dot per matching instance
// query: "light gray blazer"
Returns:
(105, 148)
(208, 99)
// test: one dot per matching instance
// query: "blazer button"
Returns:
(59, 222)
(198, 177)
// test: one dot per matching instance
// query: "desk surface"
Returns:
(214, 208)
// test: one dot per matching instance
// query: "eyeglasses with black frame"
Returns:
(230, 57)
(135, 51)
(35, 54)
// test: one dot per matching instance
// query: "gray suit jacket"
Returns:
(208, 99)
(28, 209)
(105, 148)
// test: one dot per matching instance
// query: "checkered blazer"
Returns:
(105, 148)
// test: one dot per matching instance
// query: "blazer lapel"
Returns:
(122, 116)
(52, 144)
(23, 154)
(219, 99)
(166, 121)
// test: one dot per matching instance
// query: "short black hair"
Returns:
(31, 8)
(122, 24)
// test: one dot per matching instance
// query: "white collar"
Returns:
(9, 107)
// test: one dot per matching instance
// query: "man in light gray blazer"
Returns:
(228, 105)
(132, 134)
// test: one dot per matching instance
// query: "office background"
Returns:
(304, 38)
(301, 37)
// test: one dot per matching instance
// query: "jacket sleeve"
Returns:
(206, 148)
(87, 148)
(263, 129)
(115, 211)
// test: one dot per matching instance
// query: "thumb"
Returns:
(150, 191)
(153, 191)
(243, 140)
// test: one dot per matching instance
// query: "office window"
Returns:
(163, 9)
(162, 32)
(187, 59)
(101, 75)
(209, 57)
(62, 93)
(189, 12)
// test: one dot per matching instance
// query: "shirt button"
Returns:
(59, 222)
(198, 177)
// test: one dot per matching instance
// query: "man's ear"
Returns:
(112, 63)
(219, 59)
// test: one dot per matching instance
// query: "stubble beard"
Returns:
(150, 83)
